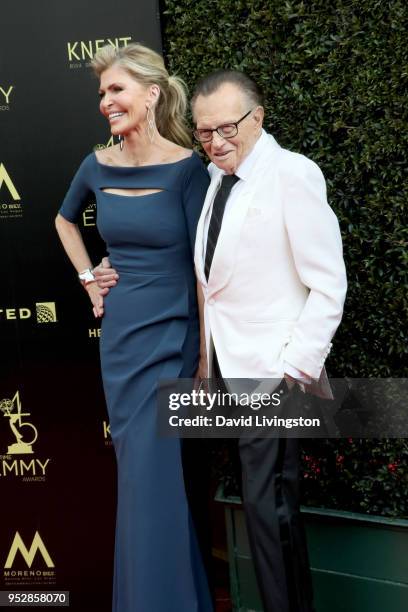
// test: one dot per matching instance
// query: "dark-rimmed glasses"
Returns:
(226, 130)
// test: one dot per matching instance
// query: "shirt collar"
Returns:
(244, 170)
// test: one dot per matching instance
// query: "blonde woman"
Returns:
(149, 191)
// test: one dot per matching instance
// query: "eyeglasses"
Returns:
(227, 130)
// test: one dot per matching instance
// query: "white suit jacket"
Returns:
(277, 283)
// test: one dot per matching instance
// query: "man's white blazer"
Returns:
(277, 283)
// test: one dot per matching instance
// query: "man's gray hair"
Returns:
(212, 82)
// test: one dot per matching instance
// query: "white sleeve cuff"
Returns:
(296, 374)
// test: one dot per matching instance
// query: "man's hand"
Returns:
(201, 375)
(290, 381)
(202, 372)
(105, 276)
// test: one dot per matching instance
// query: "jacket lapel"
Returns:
(228, 240)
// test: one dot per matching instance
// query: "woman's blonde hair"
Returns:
(147, 67)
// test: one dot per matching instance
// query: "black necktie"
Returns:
(227, 183)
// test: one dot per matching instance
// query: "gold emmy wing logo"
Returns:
(5, 178)
(28, 555)
(24, 432)
(46, 312)
(101, 146)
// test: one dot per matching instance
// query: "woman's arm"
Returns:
(73, 244)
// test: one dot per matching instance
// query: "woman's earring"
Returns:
(121, 141)
(151, 124)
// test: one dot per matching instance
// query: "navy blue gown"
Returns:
(150, 331)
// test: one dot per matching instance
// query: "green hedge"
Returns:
(335, 76)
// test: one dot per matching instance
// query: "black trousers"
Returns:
(271, 498)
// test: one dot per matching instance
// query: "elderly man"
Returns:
(268, 257)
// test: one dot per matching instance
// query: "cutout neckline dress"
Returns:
(149, 331)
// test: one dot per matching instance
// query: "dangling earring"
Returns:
(151, 124)
(121, 141)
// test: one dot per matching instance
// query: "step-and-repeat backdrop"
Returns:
(57, 466)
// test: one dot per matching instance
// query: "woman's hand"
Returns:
(96, 297)
(105, 276)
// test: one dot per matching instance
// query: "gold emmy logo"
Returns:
(82, 50)
(28, 555)
(99, 147)
(11, 409)
(46, 312)
(25, 434)
(5, 178)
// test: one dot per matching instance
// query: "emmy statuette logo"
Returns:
(21, 439)
(101, 146)
(11, 409)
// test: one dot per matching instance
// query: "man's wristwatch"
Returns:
(86, 277)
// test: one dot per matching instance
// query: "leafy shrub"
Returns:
(367, 476)
(335, 79)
